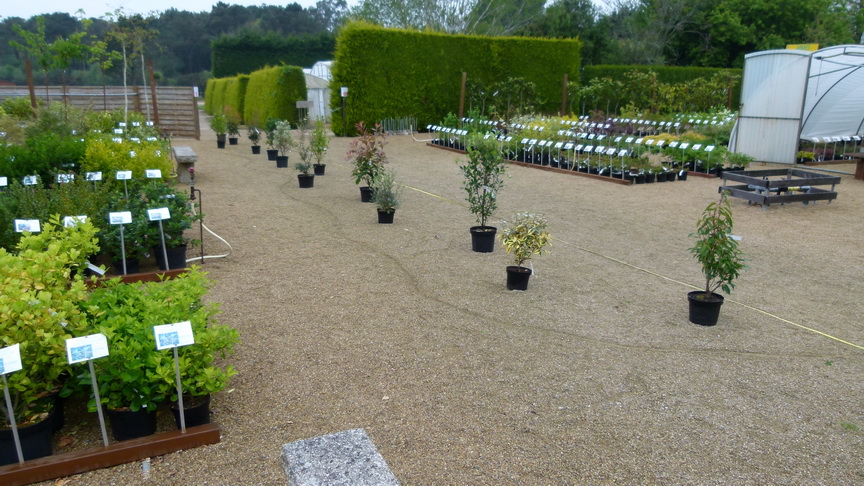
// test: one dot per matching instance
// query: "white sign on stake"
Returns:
(86, 348)
(10, 359)
(31, 225)
(72, 221)
(118, 131)
(173, 335)
(709, 148)
(93, 176)
(121, 217)
(158, 214)
(124, 175)
(153, 173)
(684, 145)
(4, 182)
(629, 140)
(697, 146)
(30, 180)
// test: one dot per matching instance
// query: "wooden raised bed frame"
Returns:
(758, 187)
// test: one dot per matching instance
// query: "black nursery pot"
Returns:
(704, 311)
(306, 180)
(319, 169)
(517, 277)
(386, 217)
(35, 441)
(256, 149)
(232, 140)
(132, 266)
(366, 194)
(126, 424)
(282, 161)
(197, 411)
(176, 257)
(272, 154)
(483, 238)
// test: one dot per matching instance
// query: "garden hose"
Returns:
(207, 257)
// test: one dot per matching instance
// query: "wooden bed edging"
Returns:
(141, 277)
(60, 465)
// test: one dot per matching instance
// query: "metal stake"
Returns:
(164, 249)
(12, 421)
(123, 248)
(98, 402)
(179, 392)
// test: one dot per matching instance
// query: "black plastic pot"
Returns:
(126, 424)
(132, 266)
(220, 141)
(306, 180)
(704, 311)
(319, 169)
(232, 140)
(385, 217)
(197, 411)
(256, 149)
(649, 177)
(282, 161)
(682, 175)
(176, 257)
(35, 441)
(660, 177)
(483, 238)
(365, 194)
(517, 277)
(272, 154)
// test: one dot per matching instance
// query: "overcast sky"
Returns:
(96, 8)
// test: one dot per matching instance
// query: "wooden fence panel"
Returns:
(178, 108)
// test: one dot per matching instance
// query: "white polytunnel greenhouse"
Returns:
(789, 95)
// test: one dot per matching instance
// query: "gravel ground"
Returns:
(592, 376)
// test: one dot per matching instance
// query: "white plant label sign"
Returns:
(153, 173)
(65, 178)
(4, 181)
(10, 359)
(93, 176)
(31, 225)
(86, 348)
(30, 180)
(158, 214)
(72, 221)
(121, 217)
(124, 175)
(173, 335)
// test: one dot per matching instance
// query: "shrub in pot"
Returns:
(134, 233)
(318, 144)
(254, 135)
(386, 193)
(269, 132)
(721, 258)
(283, 141)
(232, 126)
(524, 237)
(304, 150)
(159, 195)
(219, 124)
(366, 154)
(483, 179)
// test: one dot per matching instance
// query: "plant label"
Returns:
(592, 136)
(650, 141)
(4, 182)
(150, 123)
(65, 178)
(121, 124)
(568, 146)
(121, 217)
(638, 141)
(118, 131)
(709, 148)
(508, 139)
(618, 139)
(629, 140)
(343, 91)
(72, 221)
(697, 146)
(684, 145)
(610, 151)
(31, 225)
(837, 139)
(86, 348)
(93, 176)
(622, 153)
(124, 175)
(136, 124)
(580, 147)
(30, 180)
(153, 173)
(558, 145)
(158, 214)
(173, 335)
(660, 143)
(673, 144)
(10, 359)
(117, 140)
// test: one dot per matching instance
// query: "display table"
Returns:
(781, 186)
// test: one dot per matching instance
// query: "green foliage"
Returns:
(721, 259)
(320, 141)
(104, 154)
(282, 138)
(155, 195)
(254, 134)
(18, 107)
(484, 176)
(249, 51)
(235, 97)
(219, 123)
(44, 155)
(366, 153)
(391, 73)
(274, 92)
(303, 144)
(39, 310)
(386, 191)
(525, 236)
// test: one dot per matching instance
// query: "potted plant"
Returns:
(269, 132)
(283, 141)
(721, 258)
(254, 135)
(159, 195)
(367, 155)
(134, 234)
(319, 144)
(484, 177)
(219, 124)
(524, 237)
(233, 126)
(304, 149)
(386, 193)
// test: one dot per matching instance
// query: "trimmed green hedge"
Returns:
(273, 93)
(247, 52)
(396, 73)
(235, 93)
(208, 95)
(665, 74)
(217, 98)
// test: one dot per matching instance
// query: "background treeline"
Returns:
(705, 33)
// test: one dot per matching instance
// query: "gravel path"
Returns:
(594, 375)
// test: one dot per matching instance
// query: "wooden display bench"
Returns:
(780, 186)
(61, 465)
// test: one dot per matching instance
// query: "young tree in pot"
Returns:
(283, 141)
(319, 144)
(305, 179)
(159, 195)
(254, 135)
(269, 132)
(721, 258)
(484, 177)
(386, 193)
(233, 126)
(367, 154)
(219, 124)
(524, 237)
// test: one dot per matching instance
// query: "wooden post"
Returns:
(197, 121)
(564, 96)
(29, 70)
(462, 96)
(153, 92)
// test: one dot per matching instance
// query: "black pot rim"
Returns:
(518, 269)
(715, 299)
(483, 229)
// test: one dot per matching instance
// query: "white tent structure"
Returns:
(788, 96)
(318, 93)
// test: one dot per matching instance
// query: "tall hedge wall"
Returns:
(396, 73)
(665, 74)
(273, 93)
(235, 93)
(247, 52)
(208, 95)
(217, 93)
